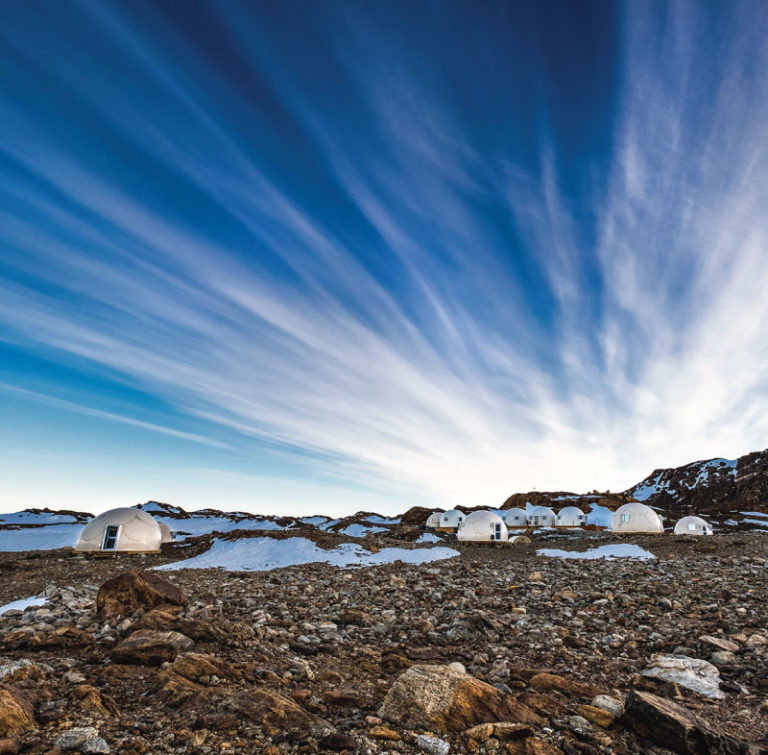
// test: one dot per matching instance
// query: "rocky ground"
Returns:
(393, 659)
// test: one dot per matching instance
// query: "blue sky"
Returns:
(329, 256)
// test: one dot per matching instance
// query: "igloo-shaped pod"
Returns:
(570, 516)
(515, 519)
(483, 527)
(121, 530)
(166, 534)
(433, 520)
(450, 520)
(636, 518)
(541, 516)
(693, 525)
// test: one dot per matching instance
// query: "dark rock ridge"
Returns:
(714, 486)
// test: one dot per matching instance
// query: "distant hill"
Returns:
(715, 487)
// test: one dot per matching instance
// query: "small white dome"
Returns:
(541, 516)
(570, 516)
(166, 534)
(636, 518)
(693, 525)
(433, 520)
(451, 519)
(124, 530)
(514, 518)
(482, 527)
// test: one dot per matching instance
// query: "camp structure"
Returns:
(166, 534)
(124, 530)
(570, 516)
(636, 518)
(693, 525)
(450, 520)
(433, 521)
(482, 527)
(541, 516)
(515, 519)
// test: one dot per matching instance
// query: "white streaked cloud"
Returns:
(441, 385)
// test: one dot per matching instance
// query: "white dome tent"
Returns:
(541, 516)
(515, 519)
(450, 520)
(125, 530)
(693, 525)
(166, 534)
(570, 516)
(636, 518)
(482, 527)
(433, 520)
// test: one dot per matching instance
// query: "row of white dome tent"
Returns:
(494, 526)
(538, 516)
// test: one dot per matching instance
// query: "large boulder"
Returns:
(446, 698)
(149, 648)
(125, 593)
(676, 728)
(16, 714)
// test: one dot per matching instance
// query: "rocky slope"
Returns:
(490, 652)
(713, 487)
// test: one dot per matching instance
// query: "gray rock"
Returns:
(432, 745)
(82, 739)
(692, 673)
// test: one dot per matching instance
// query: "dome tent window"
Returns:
(625, 517)
(110, 537)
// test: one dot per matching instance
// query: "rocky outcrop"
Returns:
(676, 728)
(710, 487)
(16, 714)
(446, 698)
(124, 594)
(146, 647)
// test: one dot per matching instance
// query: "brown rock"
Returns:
(9, 746)
(93, 702)
(54, 638)
(122, 595)
(448, 699)
(162, 619)
(553, 681)
(267, 708)
(674, 727)
(504, 731)
(150, 648)
(175, 690)
(196, 666)
(535, 746)
(384, 732)
(16, 714)
(596, 715)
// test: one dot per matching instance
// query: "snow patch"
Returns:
(620, 550)
(45, 538)
(428, 537)
(360, 530)
(266, 553)
(20, 605)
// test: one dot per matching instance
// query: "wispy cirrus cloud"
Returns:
(402, 292)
